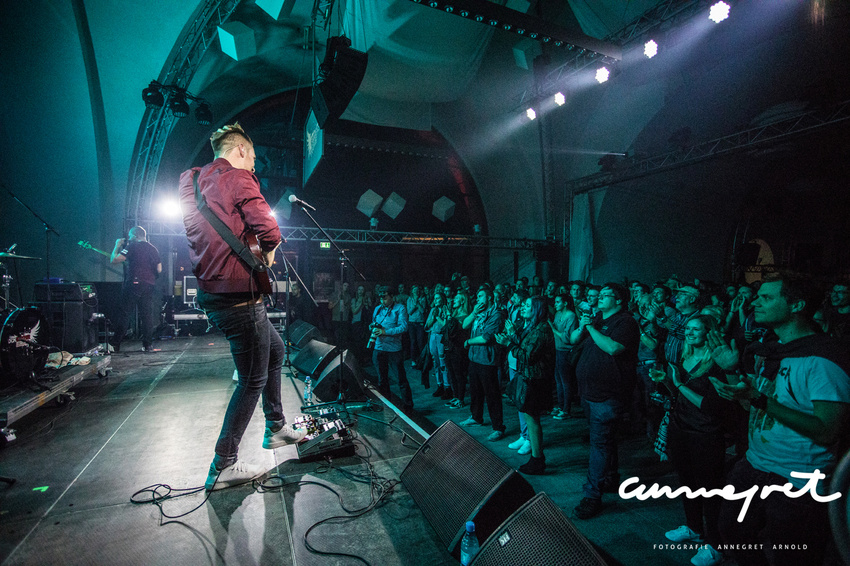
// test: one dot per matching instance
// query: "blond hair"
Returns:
(227, 137)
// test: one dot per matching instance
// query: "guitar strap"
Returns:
(226, 234)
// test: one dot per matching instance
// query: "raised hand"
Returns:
(724, 355)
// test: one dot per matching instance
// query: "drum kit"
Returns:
(24, 334)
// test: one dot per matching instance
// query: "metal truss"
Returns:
(158, 123)
(371, 237)
(635, 30)
(762, 135)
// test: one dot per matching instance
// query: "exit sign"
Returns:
(325, 245)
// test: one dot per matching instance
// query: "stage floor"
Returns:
(154, 419)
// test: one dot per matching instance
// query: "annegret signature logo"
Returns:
(642, 493)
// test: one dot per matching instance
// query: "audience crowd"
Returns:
(738, 384)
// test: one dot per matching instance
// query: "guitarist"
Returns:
(228, 292)
(143, 267)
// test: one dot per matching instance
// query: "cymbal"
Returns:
(16, 256)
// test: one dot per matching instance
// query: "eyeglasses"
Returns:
(610, 296)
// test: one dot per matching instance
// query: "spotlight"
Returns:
(449, 9)
(650, 49)
(546, 39)
(169, 207)
(533, 35)
(507, 27)
(152, 96)
(520, 31)
(203, 114)
(719, 12)
(178, 105)
(602, 75)
(464, 14)
(434, 4)
(559, 98)
(479, 18)
(493, 23)
(559, 43)
(531, 114)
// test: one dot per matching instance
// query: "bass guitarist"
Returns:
(230, 293)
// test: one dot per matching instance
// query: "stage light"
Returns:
(434, 4)
(602, 75)
(169, 207)
(152, 96)
(479, 18)
(531, 114)
(449, 9)
(559, 43)
(650, 49)
(464, 13)
(559, 98)
(493, 23)
(203, 114)
(178, 105)
(719, 12)
(520, 31)
(507, 27)
(533, 35)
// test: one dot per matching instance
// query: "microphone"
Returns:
(12, 247)
(295, 200)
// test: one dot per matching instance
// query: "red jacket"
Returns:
(234, 196)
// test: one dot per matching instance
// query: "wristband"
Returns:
(759, 402)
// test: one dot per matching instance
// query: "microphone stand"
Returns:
(287, 267)
(343, 260)
(47, 230)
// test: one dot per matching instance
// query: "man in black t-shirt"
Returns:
(606, 377)
(143, 266)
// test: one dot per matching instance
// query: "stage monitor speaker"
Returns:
(454, 479)
(313, 357)
(327, 386)
(72, 328)
(300, 333)
(347, 68)
(537, 533)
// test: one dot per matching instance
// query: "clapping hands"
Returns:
(724, 355)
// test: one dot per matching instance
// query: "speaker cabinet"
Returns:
(327, 386)
(331, 96)
(300, 333)
(538, 533)
(72, 328)
(454, 479)
(313, 357)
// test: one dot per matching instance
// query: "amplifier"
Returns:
(65, 291)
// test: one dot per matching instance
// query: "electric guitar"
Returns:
(261, 278)
(87, 246)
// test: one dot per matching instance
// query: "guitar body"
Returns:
(261, 278)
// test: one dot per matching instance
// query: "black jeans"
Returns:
(135, 294)
(257, 351)
(698, 460)
(777, 520)
(383, 362)
(484, 386)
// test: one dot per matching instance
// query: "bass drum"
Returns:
(24, 344)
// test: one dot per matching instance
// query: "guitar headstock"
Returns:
(84, 244)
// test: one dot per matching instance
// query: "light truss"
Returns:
(762, 135)
(633, 31)
(159, 123)
(370, 237)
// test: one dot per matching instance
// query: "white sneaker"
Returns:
(707, 556)
(517, 444)
(525, 448)
(683, 534)
(235, 474)
(286, 435)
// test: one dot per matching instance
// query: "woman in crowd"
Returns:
(563, 324)
(435, 327)
(457, 360)
(533, 346)
(695, 438)
(361, 309)
(416, 313)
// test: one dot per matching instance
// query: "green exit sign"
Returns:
(325, 245)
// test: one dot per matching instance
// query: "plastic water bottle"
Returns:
(469, 545)
(308, 391)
